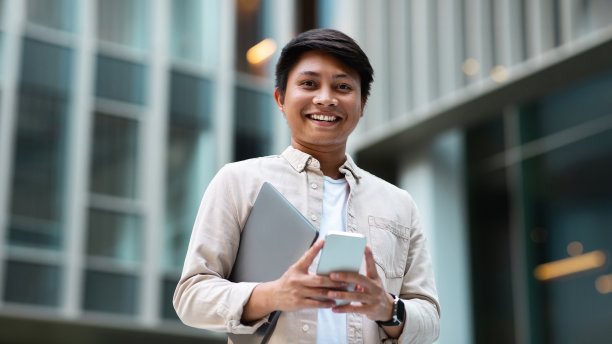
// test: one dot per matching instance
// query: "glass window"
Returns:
(560, 110)
(190, 160)
(124, 22)
(56, 14)
(32, 283)
(38, 185)
(569, 202)
(195, 28)
(254, 111)
(254, 25)
(110, 292)
(114, 235)
(120, 80)
(167, 309)
(114, 165)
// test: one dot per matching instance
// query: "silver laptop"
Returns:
(274, 237)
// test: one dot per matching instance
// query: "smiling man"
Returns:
(323, 82)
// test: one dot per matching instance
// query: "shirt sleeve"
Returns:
(204, 298)
(422, 322)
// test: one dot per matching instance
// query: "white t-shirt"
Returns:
(331, 327)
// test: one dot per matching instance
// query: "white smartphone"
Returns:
(341, 251)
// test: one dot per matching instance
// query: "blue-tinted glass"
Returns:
(194, 31)
(56, 14)
(570, 201)
(114, 235)
(190, 101)
(167, 309)
(190, 160)
(124, 22)
(32, 283)
(38, 186)
(588, 100)
(110, 292)
(114, 162)
(253, 125)
(120, 80)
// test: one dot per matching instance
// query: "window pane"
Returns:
(32, 283)
(124, 22)
(167, 311)
(569, 200)
(56, 14)
(566, 108)
(195, 27)
(190, 160)
(114, 235)
(120, 80)
(110, 292)
(38, 186)
(254, 111)
(254, 25)
(115, 155)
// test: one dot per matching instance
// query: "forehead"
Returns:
(321, 62)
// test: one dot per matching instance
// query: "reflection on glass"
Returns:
(120, 80)
(32, 283)
(195, 26)
(38, 186)
(124, 22)
(56, 14)
(114, 235)
(114, 162)
(254, 25)
(190, 160)
(254, 124)
(110, 292)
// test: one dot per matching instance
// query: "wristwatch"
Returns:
(398, 313)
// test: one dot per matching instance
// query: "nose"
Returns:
(325, 98)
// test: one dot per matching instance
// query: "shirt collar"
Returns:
(300, 160)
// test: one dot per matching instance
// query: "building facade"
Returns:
(496, 115)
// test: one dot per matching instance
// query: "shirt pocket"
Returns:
(390, 243)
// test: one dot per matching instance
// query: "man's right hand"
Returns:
(293, 291)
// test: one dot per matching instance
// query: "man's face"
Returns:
(322, 102)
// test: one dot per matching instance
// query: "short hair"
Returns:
(329, 41)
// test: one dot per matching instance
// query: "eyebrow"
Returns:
(315, 74)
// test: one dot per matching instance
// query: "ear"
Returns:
(280, 99)
(363, 104)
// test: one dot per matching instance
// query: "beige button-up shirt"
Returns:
(385, 214)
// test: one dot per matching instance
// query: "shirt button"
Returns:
(314, 186)
(305, 328)
(313, 217)
(300, 166)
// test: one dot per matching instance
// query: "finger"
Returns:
(370, 264)
(306, 260)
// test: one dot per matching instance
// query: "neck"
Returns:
(330, 159)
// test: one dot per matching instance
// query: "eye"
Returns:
(307, 83)
(345, 87)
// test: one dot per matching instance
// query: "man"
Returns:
(322, 84)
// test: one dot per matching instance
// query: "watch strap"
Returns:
(398, 313)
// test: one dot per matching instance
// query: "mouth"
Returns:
(323, 118)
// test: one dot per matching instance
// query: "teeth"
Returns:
(323, 118)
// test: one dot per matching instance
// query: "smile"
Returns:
(323, 118)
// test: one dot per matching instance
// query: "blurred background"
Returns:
(496, 115)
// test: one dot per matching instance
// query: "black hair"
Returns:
(333, 42)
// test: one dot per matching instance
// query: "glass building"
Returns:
(496, 115)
